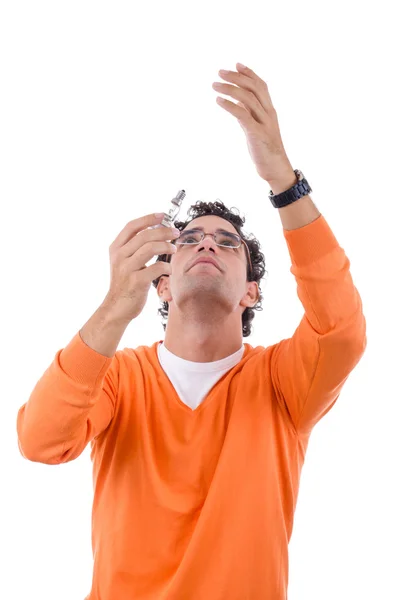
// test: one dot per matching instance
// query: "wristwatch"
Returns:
(300, 189)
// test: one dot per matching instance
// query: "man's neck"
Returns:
(198, 342)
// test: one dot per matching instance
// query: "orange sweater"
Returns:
(199, 505)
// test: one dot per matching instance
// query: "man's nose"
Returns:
(207, 243)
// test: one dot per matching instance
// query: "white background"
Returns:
(107, 110)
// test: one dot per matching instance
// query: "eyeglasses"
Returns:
(221, 237)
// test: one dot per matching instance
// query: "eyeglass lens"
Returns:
(221, 238)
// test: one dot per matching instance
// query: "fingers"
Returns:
(148, 251)
(146, 238)
(134, 227)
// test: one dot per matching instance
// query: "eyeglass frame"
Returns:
(220, 245)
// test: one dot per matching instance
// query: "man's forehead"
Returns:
(211, 223)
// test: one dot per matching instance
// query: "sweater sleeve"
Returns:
(309, 369)
(71, 404)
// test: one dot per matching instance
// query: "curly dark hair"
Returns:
(255, 271)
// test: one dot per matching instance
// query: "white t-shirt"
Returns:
(193, 380)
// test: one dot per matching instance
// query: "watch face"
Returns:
(299, 174)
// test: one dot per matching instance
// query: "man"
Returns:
(198, 442)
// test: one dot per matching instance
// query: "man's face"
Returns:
(202, 283)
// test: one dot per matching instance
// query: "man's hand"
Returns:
(258, 119)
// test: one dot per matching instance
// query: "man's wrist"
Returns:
(284, 182)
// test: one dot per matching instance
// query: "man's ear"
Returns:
(252, 295)
(163, 288)
(161, 285)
